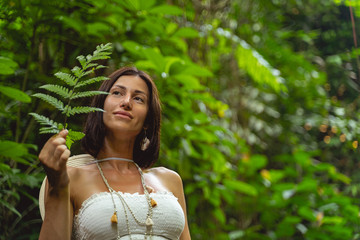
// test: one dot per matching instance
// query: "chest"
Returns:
(89, 182)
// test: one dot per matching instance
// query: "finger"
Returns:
(63, 133)
(58, 141)
(63, 158)
(59, 151)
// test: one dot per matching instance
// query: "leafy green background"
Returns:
(260, 106)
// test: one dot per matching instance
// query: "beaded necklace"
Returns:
(151, 202)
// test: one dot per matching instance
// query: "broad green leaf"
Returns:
(186, 32)
(133, 47)
(258, 68)
(145, 64)
(151, 26)
(10, 207)
(12, 149)
(167, 9)
(156, 58)
(189, 82)
(307, 213)
(197, 70)
(98, 28)
(72, 22)
(170, 61)
(307, 185)
(15, 94)
(241, 187)
(146, 4)
(219, 215)
(258, 161)
(7, 66)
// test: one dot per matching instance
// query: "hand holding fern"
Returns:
(54, 156)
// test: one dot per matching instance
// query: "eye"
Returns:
(116, 92)
(139, 99)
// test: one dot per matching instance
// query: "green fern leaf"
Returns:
(90, 65)
(75, 135)
(87, 72)
(72, 137)
(46, 130)
(80, 110)
(100, 66)
(73, 81)
(77, 72)
(82, 60)
(103, 48)
(60, 90)
(87, 94)
(91, 80)
(44, 120)
(53, 127)
(51, 100)
(67, 78)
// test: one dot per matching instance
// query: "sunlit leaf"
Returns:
(15, 94)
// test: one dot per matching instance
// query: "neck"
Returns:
(120, 149)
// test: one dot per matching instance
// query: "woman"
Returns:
(116, 195)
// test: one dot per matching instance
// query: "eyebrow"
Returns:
(123, 87)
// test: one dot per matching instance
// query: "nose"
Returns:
(126, 102)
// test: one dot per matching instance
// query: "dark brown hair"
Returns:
(95, 130)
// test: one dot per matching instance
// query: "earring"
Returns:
(145, 143)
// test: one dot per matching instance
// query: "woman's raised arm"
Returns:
(58, 219)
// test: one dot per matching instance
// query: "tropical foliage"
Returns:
(260, 106)
(73, 81)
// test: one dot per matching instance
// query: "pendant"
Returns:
(114, 218)
(153, 203)
(149, 222)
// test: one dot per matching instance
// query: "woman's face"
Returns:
(126, 106)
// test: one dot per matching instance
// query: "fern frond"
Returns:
(87, 72)
(53, 127)
(73, 81)
(75, 135)
(67, 78)
(79, 110)
(60, 90)
(45, 130)
(90, 65)
(100, 66)
(72, 137)
(82, 60)
(103, 48)
(77, 72)
(44, 120)
(51, 100)
(91, 80)
(87, 94)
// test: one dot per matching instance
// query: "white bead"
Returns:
(149, 222)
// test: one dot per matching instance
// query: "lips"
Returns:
(123, 114)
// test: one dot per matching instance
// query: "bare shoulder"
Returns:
(164, 173)
(167, 178)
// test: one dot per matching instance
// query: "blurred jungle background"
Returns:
(260, 106)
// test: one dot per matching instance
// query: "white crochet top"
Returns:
(93, 219)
